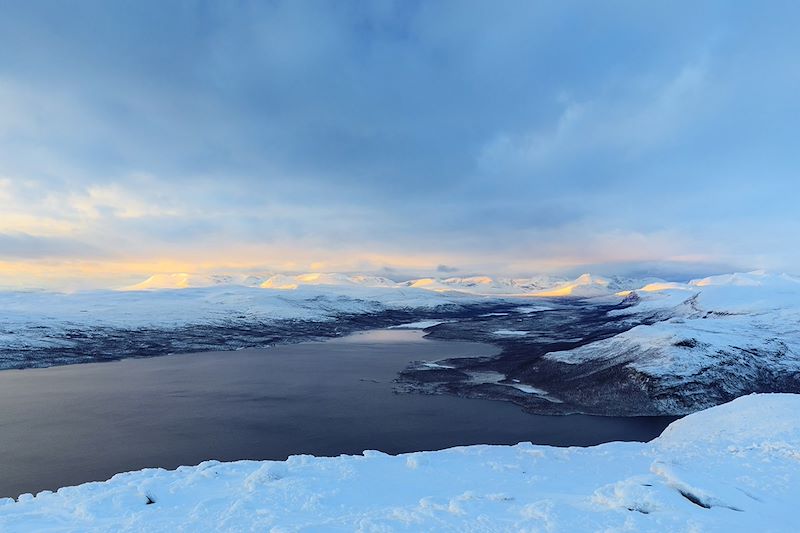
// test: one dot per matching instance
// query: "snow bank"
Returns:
(735, 467)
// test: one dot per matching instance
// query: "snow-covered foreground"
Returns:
(735, 467)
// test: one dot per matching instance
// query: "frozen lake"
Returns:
(66, 425)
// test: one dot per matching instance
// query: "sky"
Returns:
(449, 137)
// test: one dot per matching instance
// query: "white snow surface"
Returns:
(510, 333)
(738, 462)
(419, 324)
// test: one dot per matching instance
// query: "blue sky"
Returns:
(498, 137)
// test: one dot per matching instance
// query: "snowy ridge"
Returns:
(184, 298)
(211, 304)
(183, 280)
(734, 467)
(40, 320)
(37, 327)
(583, 286)
(706, 341)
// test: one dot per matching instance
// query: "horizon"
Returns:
(260, 278)
(399, 265)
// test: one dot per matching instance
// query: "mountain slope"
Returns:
(702, 343)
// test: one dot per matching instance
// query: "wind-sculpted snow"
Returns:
(734, 467)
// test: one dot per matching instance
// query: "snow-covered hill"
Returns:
(185, 280)
(44, 328)
(700, 343)
(734, 467)
(583, 286)
(163, 312)
(170, 300)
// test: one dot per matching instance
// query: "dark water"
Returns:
(67, 425)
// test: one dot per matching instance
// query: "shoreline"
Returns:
(323, 398)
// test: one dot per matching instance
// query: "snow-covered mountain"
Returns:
(583, 286)
(701, 343)
(40, 328)
(731, 468)
(487, 285)
(292, 282)
(37, 318)
(184, 280)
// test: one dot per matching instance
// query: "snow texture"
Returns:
(735, 467)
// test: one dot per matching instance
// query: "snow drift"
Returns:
(734, 467)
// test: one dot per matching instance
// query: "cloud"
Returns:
(24, 246)
(517, 134)
(624, 123)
